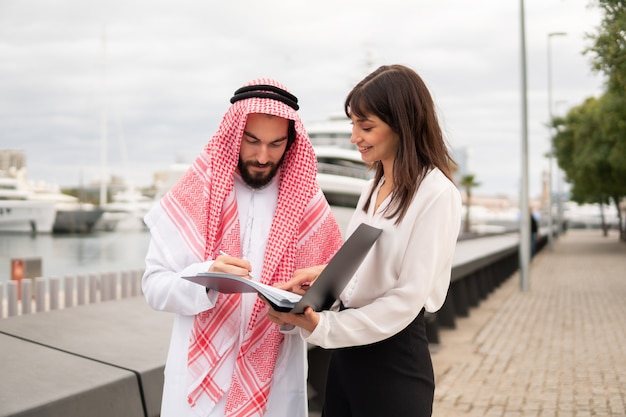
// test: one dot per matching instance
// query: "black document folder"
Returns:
(324, 291)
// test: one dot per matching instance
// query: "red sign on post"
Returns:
(17, 274)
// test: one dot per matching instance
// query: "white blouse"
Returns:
(407, 269)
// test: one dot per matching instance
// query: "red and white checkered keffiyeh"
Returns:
(203, 207)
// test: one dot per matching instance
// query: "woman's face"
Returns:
(374, 138)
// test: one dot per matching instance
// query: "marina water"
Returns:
(98, 252)
(74, 254)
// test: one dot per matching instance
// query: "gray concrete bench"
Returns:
(103, 359)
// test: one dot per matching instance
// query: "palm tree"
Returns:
(468, 182)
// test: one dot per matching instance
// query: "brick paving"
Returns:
(556, 350)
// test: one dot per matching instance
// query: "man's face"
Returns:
(262, 148)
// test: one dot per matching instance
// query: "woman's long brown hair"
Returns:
(397, 95)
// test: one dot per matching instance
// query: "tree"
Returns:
(590, 148)
(468, 182)
(609, 44)
(590, 143)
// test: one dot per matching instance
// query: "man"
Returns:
(249, 205)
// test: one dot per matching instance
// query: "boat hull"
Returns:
(25, 216)
(121, 221)
(76, 221)
(339, 190)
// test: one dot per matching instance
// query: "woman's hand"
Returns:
(302, 279)
(307, 320)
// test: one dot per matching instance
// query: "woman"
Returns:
(380, 363)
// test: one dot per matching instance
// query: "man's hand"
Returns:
(231, 265)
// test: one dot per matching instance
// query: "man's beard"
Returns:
(257, 179)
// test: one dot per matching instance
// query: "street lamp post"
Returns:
(524, 253)
(551, 151)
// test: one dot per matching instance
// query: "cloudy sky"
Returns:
(171, 67)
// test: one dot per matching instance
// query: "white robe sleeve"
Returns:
(167, 261)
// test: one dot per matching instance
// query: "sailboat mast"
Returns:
(103, 125)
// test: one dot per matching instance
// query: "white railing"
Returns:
(45, 294)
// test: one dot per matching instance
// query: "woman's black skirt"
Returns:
(393, 377)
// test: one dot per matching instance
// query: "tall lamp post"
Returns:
(524, 253)
(551, 152)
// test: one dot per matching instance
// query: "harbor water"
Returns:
(75, 254)
(98, 252)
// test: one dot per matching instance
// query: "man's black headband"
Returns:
(266, 91)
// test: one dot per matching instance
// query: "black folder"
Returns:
(324, 291)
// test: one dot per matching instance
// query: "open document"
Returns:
(280, 300)
(324, 291)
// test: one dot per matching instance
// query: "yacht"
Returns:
(76, 218)
(21, 214)
(125, 212)
(72, 215)
(29, 202)
(341, 174)
(334, 131)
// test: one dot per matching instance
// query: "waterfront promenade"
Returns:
(556, 350)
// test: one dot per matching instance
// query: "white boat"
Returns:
(21, 214)
(341, 174)
(72, 215)
(125, 212)
(69, 215)
(341, 171)
(334, 131)
(80, 218)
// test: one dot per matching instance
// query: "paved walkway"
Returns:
(558, 349)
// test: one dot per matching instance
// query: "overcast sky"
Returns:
(172, 66)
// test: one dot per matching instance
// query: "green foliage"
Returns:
(590, 143)
(468, 182)
(609, 44)
(590, 147)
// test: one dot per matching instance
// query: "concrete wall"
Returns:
(103, 359)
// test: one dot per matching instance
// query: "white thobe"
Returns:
(167, 261)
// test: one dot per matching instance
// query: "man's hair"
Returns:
(291, 134)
